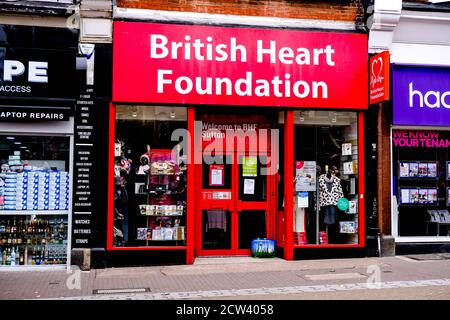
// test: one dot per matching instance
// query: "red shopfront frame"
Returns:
(192, 234)
(189, 248)
(134, 83)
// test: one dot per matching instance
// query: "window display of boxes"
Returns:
(36, 190)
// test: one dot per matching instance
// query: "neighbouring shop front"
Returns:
(37, 97)
(221, 135)
(420, 157)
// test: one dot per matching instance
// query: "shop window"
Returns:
(326, 178)
(34, 200)
(421, 182)
(150, 170)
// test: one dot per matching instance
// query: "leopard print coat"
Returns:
(329, 198)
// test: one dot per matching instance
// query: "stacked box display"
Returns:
(37, 190)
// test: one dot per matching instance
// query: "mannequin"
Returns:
(330, 191)
(144, 168)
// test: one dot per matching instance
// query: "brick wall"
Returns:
(298, 9)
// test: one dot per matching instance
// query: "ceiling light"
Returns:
(10, 138)
(17, 142)
(23, 147)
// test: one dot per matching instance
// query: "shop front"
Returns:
(222, 135)
(36, 146)
(420, 157)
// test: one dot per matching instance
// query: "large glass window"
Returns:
(421, 182)
(34, 199)
(150, 177)
(326, 178)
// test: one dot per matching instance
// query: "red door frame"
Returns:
(233, 205)
(289, 194)
(193, 237)
(110, 206)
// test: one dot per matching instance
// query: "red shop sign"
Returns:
(379, 77)
(183, 64)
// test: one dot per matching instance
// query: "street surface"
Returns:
(243, 278)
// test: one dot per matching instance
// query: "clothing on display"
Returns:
(217, 220)
(330, 190)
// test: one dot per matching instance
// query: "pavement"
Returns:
(243, 278)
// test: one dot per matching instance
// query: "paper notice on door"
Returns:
(249, 186)
(216, 175)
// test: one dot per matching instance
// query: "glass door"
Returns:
(234, 204)
(216, 205)
(253, 205)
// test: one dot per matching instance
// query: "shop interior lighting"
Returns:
(23, 147)
(17, 142)
(334, 117)
(301, 117)
(10, 138)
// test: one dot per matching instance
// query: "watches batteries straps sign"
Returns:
(84, 175)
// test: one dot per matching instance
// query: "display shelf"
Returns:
(165, 192)
(34, 212)
(162, 215)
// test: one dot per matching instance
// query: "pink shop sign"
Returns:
(419, 139)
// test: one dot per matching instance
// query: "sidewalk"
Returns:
(228, 277)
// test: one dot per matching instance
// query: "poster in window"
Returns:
(413, 170)
(249, 166)
(405, 197)
(423, 170)
(432, 195)
(216, 175)
(347, 227)
(448, 196)
(141, 234)
(423, 196)
(346, 149)
(305, 176)
(414, 196)
(404, 170)
(448, 170)
(349, 167)
(249, 186)
(432, 170)
(302, 200)
(353, 206)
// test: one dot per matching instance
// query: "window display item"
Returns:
(346, 149)
(423, 196)
(330, 190)
(353, 206)
(432, 170)
(216, 175)
(423, 170)
(413, 196)
(347, 227)
(305, 175)
(404, 170)
(405, 197)
(323, 237)
(413, 169)
(444, 215)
